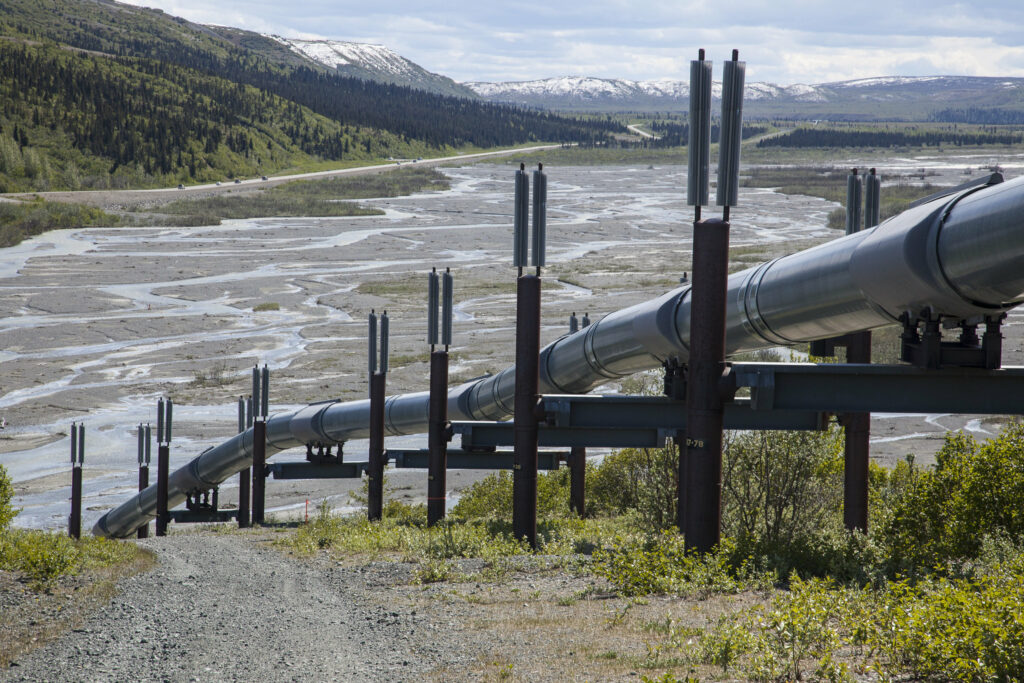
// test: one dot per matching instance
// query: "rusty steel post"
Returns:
(856, 449)
(143, 531)
(375, 470)
(703, 495)
(77, 457)
(75, 519)
(244, 504)
(577, 480)
(163, 456)
(259, 474)
(437, 466)
(524, 473)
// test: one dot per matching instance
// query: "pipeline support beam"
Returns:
(375, 470)
(704, 418)
(437, 442)
(259, 474)
(524, 473)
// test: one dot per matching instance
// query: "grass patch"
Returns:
(829, 183)
(21, 220)
(266, 306)
(214, 376)
(314, 198)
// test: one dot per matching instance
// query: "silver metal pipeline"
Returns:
(961, 256)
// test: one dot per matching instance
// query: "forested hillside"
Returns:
(98, 93)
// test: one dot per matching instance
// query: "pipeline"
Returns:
(959, 257)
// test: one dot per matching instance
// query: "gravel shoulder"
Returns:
(224, 607)
(230, 606)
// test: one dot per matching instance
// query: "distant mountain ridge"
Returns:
(882, 97)
(373, 62)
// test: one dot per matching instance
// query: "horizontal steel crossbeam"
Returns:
(461, 460)
(843, 387)
(309, 470)
(202, 516)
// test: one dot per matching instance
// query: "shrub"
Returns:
(940, 515)
(491, 497)
(41, 556)
(781, 495)
(7, 511)
(661, 564)
(643, 481)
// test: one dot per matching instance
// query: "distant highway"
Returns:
(116, 197)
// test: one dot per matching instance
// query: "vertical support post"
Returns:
(144, 454)
(437, 466)
(378, 383)
(854, 192)
(163, 464)
(259, 467)
(375, 471)
(524, 474)
(857, 426)
(163, 455)
(265, 387)
(703, 495)
(577, 480)
(244, 476)
(77, 457)
(856, 448)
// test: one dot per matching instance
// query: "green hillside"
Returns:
(97, 94)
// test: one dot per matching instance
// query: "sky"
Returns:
(782, 42)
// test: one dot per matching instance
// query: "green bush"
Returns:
(7, 511)
(661, 564)
(41, 556)
(940, 515)
(491, 497)
(641, 481)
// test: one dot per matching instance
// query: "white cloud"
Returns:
(787, 41)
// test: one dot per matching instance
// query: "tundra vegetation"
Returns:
(932, 592)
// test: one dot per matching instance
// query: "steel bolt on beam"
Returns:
(577, 480)
(259, 471)
(436, 439)
(375, 469)
(703, 454)
(524, 473)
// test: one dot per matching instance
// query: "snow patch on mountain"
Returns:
(339, 53)
(589, 88)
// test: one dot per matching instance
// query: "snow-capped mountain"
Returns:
(373, 62)
(886, 97)
(858, 98)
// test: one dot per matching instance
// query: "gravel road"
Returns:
(225, 608)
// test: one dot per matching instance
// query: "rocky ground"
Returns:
(230, 606)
